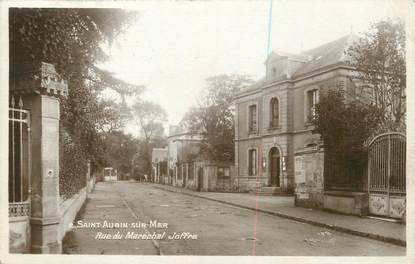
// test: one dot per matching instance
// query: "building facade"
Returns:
(159, 165)
(188, 169)
(274, 143)
(183, 148)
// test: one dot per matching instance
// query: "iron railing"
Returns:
(19, 159)
(387, 161)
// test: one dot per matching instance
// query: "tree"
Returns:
(149, 117)
(344, 126)
(74, 41)
(345, 129)
(119, 149)
(213, 118)
(379, 59)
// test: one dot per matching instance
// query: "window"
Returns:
(274, 71)
(252, 163)
(312, 100)
(226, 172)
(252, 118)
(274, 113)
(220, 172)
(223, 172)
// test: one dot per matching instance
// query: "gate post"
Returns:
(41, 87)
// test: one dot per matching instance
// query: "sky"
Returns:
(174, 46)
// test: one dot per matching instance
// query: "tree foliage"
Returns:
(344, 127)
(379, 58)
(75, 41)
(213, 118)
(119, 150)
(149, 117)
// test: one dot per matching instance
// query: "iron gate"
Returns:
(19, 159)
(387, 171)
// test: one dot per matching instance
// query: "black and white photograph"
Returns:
(206, 128)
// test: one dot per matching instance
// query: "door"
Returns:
(386, 175)
(274, 167)
(200, 179)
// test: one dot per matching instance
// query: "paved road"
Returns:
(220, 229)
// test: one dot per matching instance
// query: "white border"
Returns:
(407, 9)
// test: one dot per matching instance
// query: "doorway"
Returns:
(274, 167)
(200, 179)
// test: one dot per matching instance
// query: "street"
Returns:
(140, 219)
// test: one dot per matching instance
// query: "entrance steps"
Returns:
(271, 191)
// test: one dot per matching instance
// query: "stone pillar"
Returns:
(40, 86)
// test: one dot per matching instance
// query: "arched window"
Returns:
(274, 113)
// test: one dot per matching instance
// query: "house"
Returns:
(110, 174)
(183, 148)
(189, 169)
(274, 143)
(159, 165)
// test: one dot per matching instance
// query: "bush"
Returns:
(345, 129)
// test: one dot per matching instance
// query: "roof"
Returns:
(159, 154)
(281, 54)
(325, 55)
(320, 57)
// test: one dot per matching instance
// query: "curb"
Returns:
(391, 240)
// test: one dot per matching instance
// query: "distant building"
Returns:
(274, 143)
(189, 169)
(183, 149)
(110, 174)
(159, 165)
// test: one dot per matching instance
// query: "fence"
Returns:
(345, 171)
(387, 175)
(19, 159)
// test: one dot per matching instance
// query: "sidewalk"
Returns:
(394, 233)
(105, 204)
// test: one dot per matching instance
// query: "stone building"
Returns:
(274, 143)
(183, 149)
(159, 165)
(188, 169)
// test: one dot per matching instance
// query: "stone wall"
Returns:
(248, 184)
(19, 234)
(309, 180)
(69, 209)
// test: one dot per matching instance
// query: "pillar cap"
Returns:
(38, 78)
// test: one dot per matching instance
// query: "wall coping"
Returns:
(66, 205)
(344, 193)
(39, 78)
(13, 219)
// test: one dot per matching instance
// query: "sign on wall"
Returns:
(299, 170)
